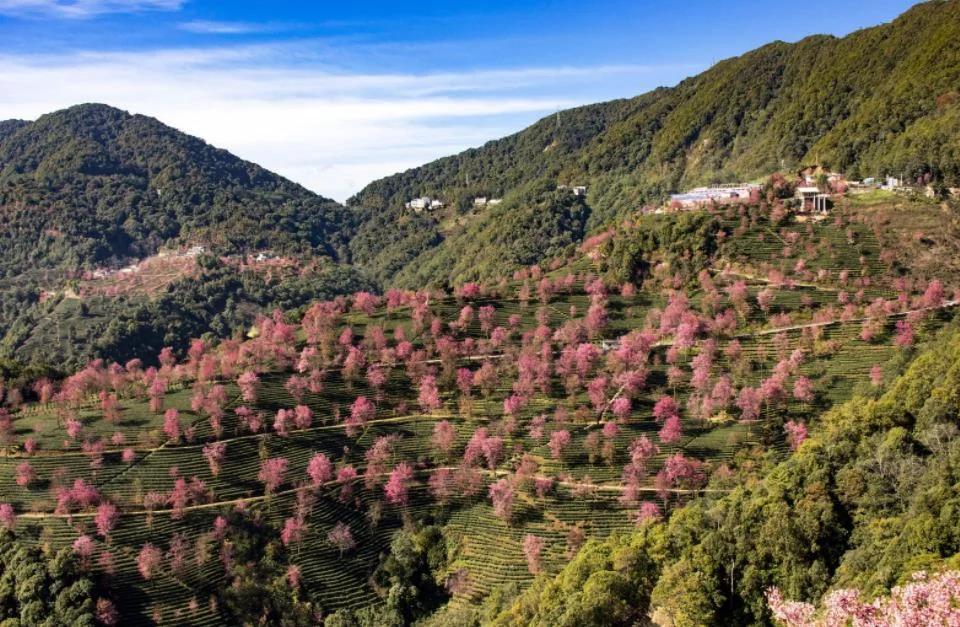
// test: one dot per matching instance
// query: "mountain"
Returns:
(9, 126)
(880, 100)
(93, 185)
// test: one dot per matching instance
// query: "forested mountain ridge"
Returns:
(92, 185)
(881, 100)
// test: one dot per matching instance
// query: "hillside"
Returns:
(441, 457)
(93, 189)
(92, 186)
(881, 100)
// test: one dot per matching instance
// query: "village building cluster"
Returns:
(420, 204)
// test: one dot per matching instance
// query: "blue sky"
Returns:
(335, 94)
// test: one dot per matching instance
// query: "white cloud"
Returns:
(330, 130)
(85, 8)
(210, 27)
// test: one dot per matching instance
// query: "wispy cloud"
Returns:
(213, 27)
(326, 128)
(78, 9)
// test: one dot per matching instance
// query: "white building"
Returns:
(419, 204)
(719, 194)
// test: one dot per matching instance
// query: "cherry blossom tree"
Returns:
(297, 386)
(25, 474)
(559, 440)
(440, 484)
(904, 334)
(106, 612)
(7, 517)
(621, 408)
(294, 531)
(796, 433)
(272, 473)
(282, 422)
(748, 402)
(106, 518)
(215, 453)
(396, 489)
(664, 408)
(345, 477)
(319, 469)
(501, 495)
(171, 425)
(149, 560)
(361, 412)
(671, 431)
(341, 538)
(764, 299)
(83, 547)
(532, 548)
(679, 472)
(249, 384)
(803, 390)
(429, 397)
(925, 600)
(934, 295)
(444, 437)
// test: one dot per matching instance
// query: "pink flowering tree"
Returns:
(149, 560)
(671, 431)
(501, 496)
(272, 473)
(532, 549)
(397, 487)
(680, 473)
(345, 477)
(25, 474)
(361, 412)
(341, 538)
(171, 425)
(106, 518)
(803, 390)
(664, 408)
(319, 469)
(215, 453)
(249, 384)
(559, 440)
(796, 433)
(444, 437)
(925, 600)
(8, 518)
(429, 396)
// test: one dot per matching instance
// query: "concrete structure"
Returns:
(812, 199)
(580, 190)
(419, 204)
(720, 194)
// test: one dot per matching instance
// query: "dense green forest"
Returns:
(883, 100)
(92, 185)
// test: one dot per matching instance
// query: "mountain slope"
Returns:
(92, 184)
(881, 100)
